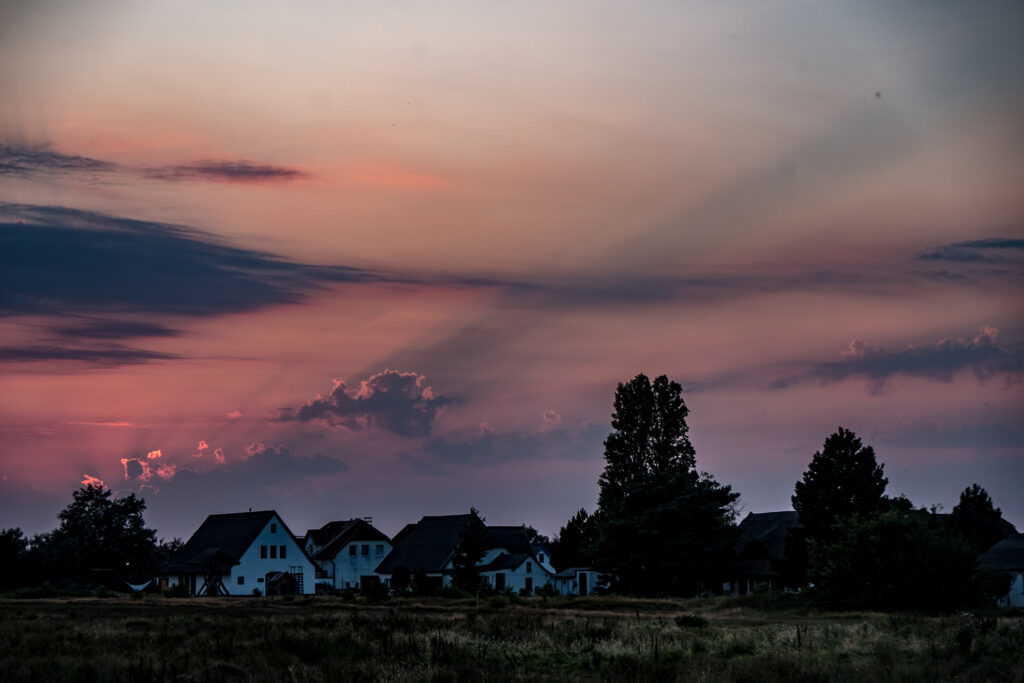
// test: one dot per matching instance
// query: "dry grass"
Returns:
(325, 639)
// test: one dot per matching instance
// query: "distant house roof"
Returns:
(426, 545)
(512, 538)
(353, 530)
(430, 543)
(768, 530)
(327, 532)
(506, 561)
(1007, 554)
(225, 537)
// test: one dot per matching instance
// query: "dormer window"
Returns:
(540, 557)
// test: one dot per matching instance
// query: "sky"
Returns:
(353, 259)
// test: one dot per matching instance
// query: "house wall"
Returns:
(253, 568)
(572, 586)
(1015, 598)
(515, 579)
(349, 567)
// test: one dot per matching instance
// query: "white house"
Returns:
(1008, 555)
(427, 547)
(243, 553)
(347, 553)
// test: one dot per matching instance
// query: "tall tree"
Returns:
(663, 526)
(99, 536)
(575, 542)
(473, 542)
(977, 519)
(842, 479)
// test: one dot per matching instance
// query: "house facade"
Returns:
(758, 553)
(428, 547)
(245, 553)
(347, 553)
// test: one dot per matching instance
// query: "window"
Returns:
(241, 580)
(263, 552)
(380, 550)
(529, 567)
(273, 528)
(540, 558)
(352, 550)
(366, 551)
(282, 553)
(273, 552)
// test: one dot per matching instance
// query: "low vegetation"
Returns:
(762, 638)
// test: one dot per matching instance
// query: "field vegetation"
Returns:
(760, 638)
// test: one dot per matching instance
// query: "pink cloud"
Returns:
(234, 415)
(255, 448)
(89, 480)
(219, 455)
(154, 455)
(136, 469)
(167, 471)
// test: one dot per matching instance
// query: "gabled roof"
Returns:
(512, 538)
(327, 532)
(426, 545)
(769, 529)
(1007, 555)
(225, 536)
(506, 561)
(353, 530)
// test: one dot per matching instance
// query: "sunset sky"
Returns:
(347, 259)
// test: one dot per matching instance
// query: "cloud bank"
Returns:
(398, 402)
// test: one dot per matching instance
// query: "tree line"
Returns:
(101, 541)
(661, 526)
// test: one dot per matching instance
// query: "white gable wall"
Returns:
(529, 575)
(356, 560)
(253, 567)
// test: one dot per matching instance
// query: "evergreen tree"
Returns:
(842, 479)
(977, 519)
(473, 542)
(573, 547)
(663, 527)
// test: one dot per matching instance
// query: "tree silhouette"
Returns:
(574, 545)
(100, 539)
(977, 519)
(472, 547)
(663, 526)
(842, 479)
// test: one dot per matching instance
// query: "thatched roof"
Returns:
(1007, 554)
(225, 537)
(767, 531)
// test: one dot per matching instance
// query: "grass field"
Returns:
(330, 639)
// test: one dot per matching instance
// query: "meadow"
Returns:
(761, 639)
